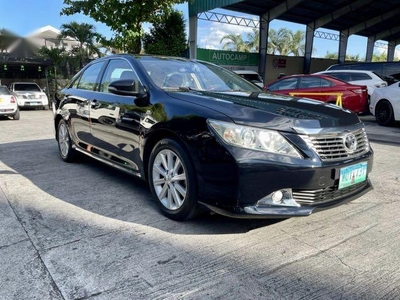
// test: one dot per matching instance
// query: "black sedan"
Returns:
(204, 138)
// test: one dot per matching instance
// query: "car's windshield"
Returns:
(177, 74)
(33, 87)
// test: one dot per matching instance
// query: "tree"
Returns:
(278, 41)
(159, 40)
(297, 44)
(253, 40)
(349, 57)
(85, 34)
(382, 56)
(234, 43)
(124, 18)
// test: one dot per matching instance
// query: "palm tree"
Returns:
(234, 43)
(253, 42)
(278, 41)
(85, 34)
(297, 44)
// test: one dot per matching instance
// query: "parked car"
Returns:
(368, 78)
(354, 97)
(8, 104)
(210, 139)
(251, 76)
(29, 94)
(385, 104)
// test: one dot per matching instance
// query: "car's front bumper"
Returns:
(276, 211)
(311, 186)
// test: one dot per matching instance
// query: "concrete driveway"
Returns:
(85, 231)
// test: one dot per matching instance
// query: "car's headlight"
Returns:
(253, 138)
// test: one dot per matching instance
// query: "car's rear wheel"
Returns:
(172, 180)
(67, 153)
(384, 113)
(16, 116)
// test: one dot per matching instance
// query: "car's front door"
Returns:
(114, 119)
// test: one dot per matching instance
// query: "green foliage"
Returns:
(86, 35)
(166, 37)
(281, 41)
(124, 18)
(379, 57)
(234, 43)
(349, 57)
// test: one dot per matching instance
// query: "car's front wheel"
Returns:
(172, 180)
(384, 113)
(67, 153)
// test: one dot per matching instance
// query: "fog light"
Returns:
(277, 196)
(281, 197)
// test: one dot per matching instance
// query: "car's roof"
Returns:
(245, 72)
(345, 71)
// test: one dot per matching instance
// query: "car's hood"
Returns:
(266, 110)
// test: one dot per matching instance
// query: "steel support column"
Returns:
(309, 47)
(193, 37)
(344, 37)
(370, 49)
(390, 52)
(264, 28)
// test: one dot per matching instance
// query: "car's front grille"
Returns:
(332, 147)
(312, 197)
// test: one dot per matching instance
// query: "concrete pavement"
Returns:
(85, 231)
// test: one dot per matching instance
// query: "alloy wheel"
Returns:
(63, 139)
(169, 179)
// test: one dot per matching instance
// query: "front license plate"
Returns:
(352, 175)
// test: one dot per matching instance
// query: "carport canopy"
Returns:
(374, 19)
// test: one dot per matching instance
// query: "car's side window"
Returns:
(284, 84)
(360, 76)
(117, 69)
(90, 77)
(313, 82)
(341, 75)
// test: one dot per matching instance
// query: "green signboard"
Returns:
(232, 58)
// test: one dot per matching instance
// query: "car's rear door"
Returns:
(75, 102)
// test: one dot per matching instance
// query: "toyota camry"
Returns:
(205, 138)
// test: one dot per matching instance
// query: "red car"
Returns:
(354, 97)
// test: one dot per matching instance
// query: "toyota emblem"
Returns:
(350, 142)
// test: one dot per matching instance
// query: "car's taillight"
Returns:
(12, 99)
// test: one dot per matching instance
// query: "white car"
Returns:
(385, 104)
(359, 77)
(251, 76)
(8, 104)
(29, 94)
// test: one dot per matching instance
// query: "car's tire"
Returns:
(67, 153)
(17, 115)
(384, 113)
(45, 107)
(172, 180)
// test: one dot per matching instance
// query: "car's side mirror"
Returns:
(124, 87)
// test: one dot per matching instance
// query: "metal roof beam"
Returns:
(279, 10)
(320, 22)
(369, 23)
(387, 33)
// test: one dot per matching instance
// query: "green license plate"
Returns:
(353, 174)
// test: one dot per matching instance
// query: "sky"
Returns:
(23, 17)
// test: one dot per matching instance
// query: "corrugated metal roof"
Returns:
(371, 18)
(198, 6)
